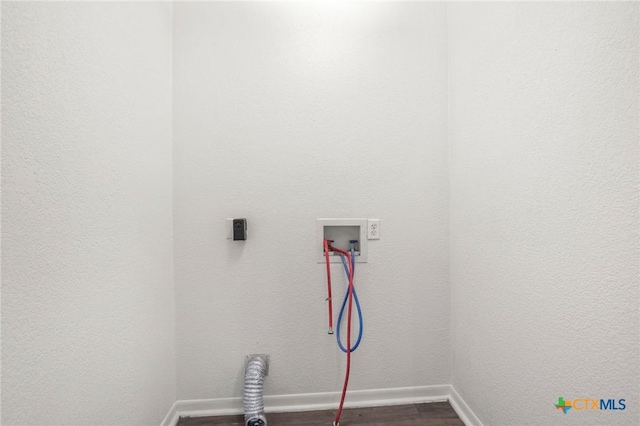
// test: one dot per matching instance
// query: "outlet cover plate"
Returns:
(373, 229)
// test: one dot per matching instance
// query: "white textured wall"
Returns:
(87, 292)
(284, 113)
(270, 100)
(544, 209)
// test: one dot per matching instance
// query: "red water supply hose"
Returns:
(336, 422)
(329, 300)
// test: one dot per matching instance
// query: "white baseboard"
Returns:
(462, 409)
(172, 417)
(325, 401)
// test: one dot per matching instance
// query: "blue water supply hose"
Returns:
(344, 302)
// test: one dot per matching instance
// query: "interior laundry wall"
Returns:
(368, 105)
(87, 289)
(285, 112)
(544, 208)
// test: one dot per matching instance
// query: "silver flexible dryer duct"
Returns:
(254, 374)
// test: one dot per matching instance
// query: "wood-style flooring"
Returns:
(431, 414)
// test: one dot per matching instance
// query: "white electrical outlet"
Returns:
(373, 229)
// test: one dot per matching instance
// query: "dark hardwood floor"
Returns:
(432, 414)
